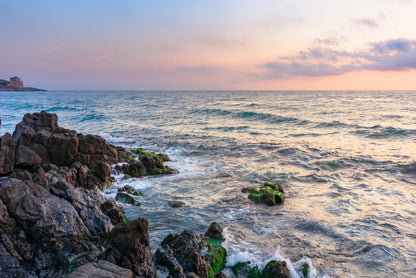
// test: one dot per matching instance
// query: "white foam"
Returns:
(242, 251)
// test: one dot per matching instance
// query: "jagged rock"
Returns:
(127, 240)
(101, 269)
(130, 190)
(7, 154)
(196, 254)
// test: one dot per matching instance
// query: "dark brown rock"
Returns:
(151, 163)
(124, 155)
(214, 230)
(26, 158)
(129, 248)
(94, 149)
(7, 154)
(109, 208)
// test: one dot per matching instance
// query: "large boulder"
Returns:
(129, 247)
(7, 154)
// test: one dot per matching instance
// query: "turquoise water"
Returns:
(346, 159)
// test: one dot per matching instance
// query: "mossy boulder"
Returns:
(276, 269)
(244, 270)
(270, 194)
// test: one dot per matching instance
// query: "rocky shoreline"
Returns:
(54, 222)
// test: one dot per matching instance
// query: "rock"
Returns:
(101, 269)
(129, 247)
(7, 154)
(245, 270)
(40, 178)
(21, 174)
(220, 275)
(276, 269)
(94, 149)
(134, 168)
(130, 190)
(176, 204)
(103, 171)
(124, 155)
(26, 158)
(270, 194)
(127, 199)
(196, 254)
(109, 208)
(152, 164)
(214, 230)
(223, 175)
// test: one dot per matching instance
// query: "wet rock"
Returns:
(134, 168)
(196, 254)
(124, 155)
(270, 194)
(152, 163)
(101, 269)
(214, 230)
(129, 248)
(130, 190)
(276, 269)
(245, 270)
(7, 154)
(127, 199)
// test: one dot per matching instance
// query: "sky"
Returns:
(210, 45)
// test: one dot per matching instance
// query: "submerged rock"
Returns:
(176, 204)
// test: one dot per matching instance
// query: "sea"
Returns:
(346, 159)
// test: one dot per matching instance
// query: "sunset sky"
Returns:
(220, 44)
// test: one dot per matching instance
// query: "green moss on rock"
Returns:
(276, 269)
(216, 256)
(126, 177)
(244, 270)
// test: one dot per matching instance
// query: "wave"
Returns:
(94, 117)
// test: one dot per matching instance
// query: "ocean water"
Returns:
(347, 160)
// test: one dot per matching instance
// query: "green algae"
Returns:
(244, 270)
(216, 256)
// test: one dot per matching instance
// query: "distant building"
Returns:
(16, 82)
(4, 83)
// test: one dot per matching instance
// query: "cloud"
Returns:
(389, 55)
(368, 22)
(327, 41)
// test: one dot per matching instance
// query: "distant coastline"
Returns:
(16, 84)
(24, 89)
